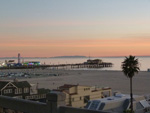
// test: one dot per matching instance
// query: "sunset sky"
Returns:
(47, 28)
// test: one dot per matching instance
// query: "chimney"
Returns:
(15, 80)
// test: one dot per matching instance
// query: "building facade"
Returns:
(78, 96)
(15, 89)
(22, 90)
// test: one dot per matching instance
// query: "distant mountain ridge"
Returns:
(76, 56)
(69, 56)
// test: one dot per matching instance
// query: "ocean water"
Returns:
(144, 61)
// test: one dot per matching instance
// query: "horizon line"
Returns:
(77, 56)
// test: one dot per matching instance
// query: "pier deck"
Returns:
(81, 65)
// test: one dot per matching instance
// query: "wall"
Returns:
(55, 104)
(78, 110)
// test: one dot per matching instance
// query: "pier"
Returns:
(61, 66)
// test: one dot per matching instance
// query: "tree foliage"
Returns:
(130, 66)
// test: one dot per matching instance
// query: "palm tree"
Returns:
(130, 67)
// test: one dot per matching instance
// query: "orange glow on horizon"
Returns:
(97, 47)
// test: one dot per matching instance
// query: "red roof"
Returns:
(106, 88)
(67, 86)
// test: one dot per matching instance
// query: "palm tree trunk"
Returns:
(131, 95)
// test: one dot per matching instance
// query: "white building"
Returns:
(120, 103)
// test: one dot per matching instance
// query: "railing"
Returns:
(77, 110)
(22, 105)
(55, 104)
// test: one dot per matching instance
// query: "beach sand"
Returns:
(114, 79)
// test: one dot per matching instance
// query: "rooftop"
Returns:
(66, 86)
(118, 103)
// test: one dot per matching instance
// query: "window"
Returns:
(87, 105)
(86, 89)
(43, 96)
(26, 90)
(94, 105)
(20, 97)
(86, 99)
(7, 91)
(18, 91)
(72, 99)
(80, 98)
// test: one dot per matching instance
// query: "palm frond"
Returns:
(130, 66)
